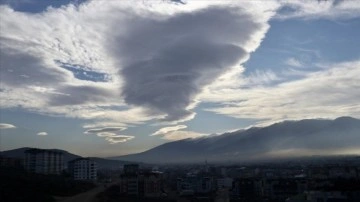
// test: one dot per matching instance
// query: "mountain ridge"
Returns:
(307, 135)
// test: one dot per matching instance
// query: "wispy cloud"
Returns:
(261, 77)
(293, 62)
(6, 126)
(106, 129)
(330, 9)
(330, 93)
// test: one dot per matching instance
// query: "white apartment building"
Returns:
(83, 169)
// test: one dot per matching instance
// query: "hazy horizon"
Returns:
(320, 134)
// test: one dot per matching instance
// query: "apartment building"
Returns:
(83, 169)
(44, 161)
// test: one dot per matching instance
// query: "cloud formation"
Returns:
(118, 138)
(176, 133)
(181, 134)
(166, 77)
(106, 129)
(42, 133)
(330, 9)
(165, 130)
(335, 89)
(6, 126)
(151, 53)
(152, 60)
(110, 135)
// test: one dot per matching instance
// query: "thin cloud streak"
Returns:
(6, 126)
(106, 129)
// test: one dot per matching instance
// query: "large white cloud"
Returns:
(157, 56)
(166, 61)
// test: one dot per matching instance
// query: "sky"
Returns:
(109, 78)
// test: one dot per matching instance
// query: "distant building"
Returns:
(44, 161)
(129, 181)
(140, 183)
(195, 185)
(245, 189)
(83, 169)
(280, 189)
(224, 183)
(205, 185)
(152, 184)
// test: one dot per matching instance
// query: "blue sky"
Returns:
(106, 78)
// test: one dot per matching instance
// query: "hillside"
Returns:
(101, 162)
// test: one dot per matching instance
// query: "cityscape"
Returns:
(316, 178)
(179, 100)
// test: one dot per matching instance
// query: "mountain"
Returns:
(280, 140)
(20, 153)
(101, 162)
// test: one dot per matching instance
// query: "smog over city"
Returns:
(180, 100)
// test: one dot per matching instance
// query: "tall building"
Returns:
(83, 169)
(10, 162)
(44, 161)
(152, 184)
